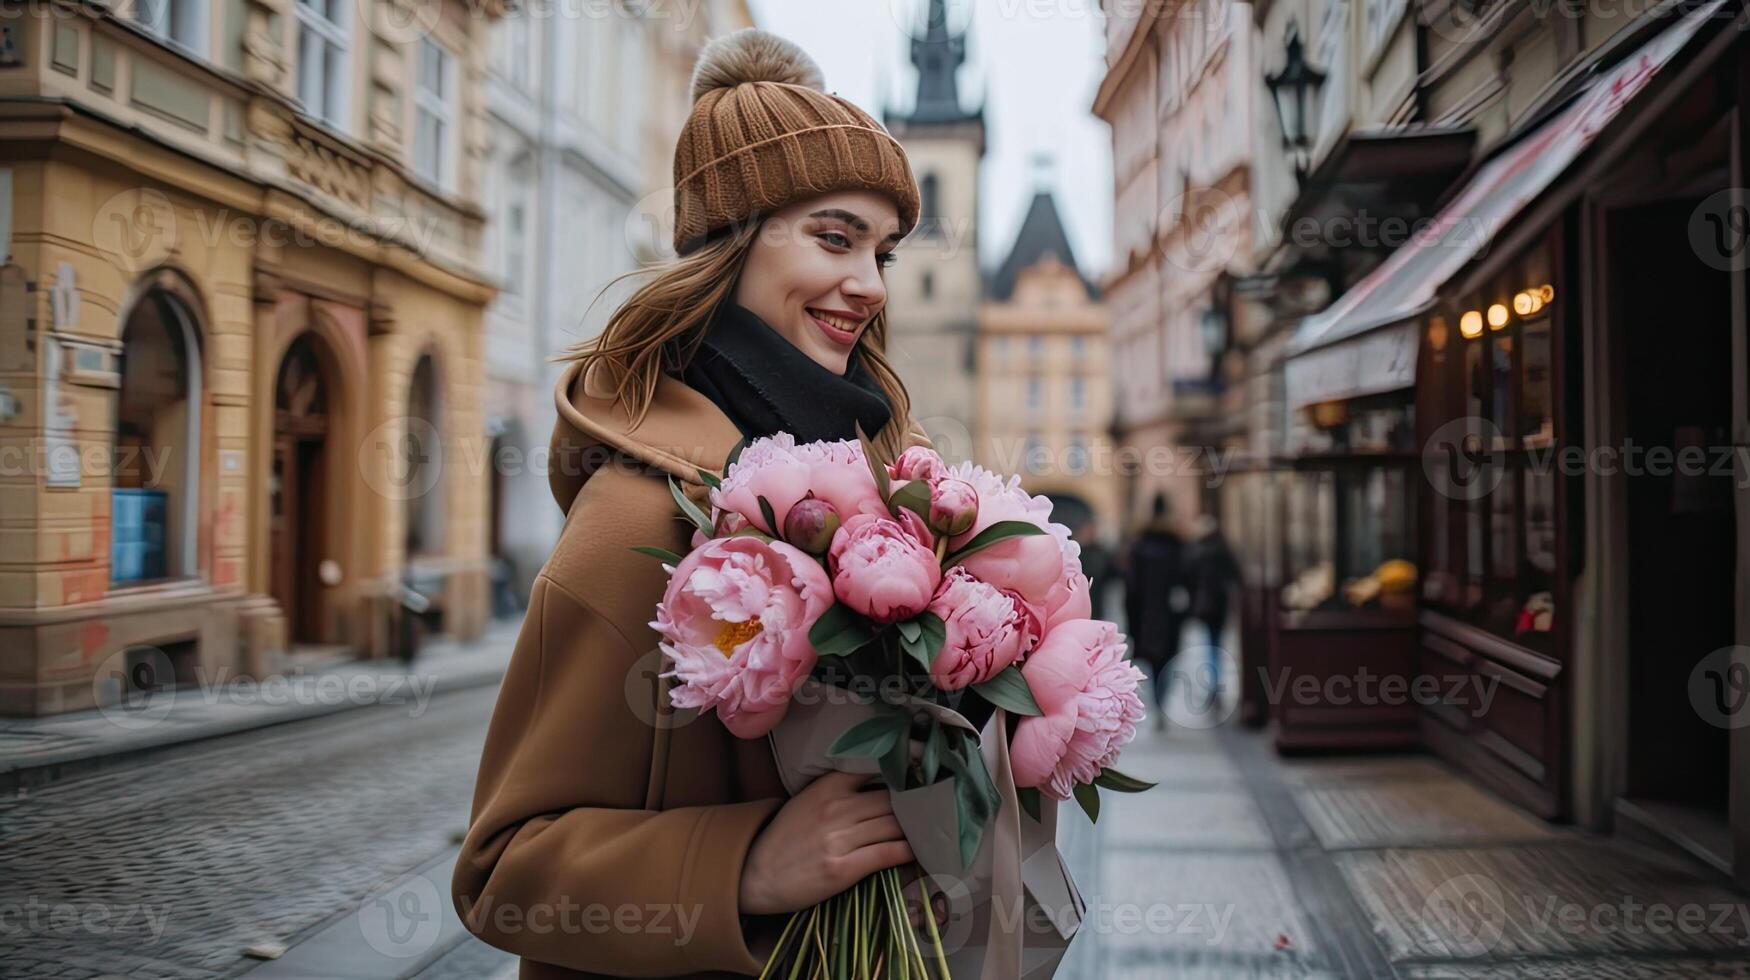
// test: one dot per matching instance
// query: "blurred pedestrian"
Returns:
(1099, 564)
(1157, 597)
(1214, 573)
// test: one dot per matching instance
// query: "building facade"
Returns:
(1044, 376)
(241, 313)
(584, 106)
(935, 287)
(1179, 94)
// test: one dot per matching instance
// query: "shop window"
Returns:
(1349, 537)
(156, 476)
(434, 125)
(1493, 542)
(322, 59)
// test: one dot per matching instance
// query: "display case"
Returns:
(1343, 621)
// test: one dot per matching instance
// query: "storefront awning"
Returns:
(1365, 342)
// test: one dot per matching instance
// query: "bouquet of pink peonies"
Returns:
(908, 590)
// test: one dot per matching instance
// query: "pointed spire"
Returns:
(938, 53)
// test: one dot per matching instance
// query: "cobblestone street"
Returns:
(171, 868)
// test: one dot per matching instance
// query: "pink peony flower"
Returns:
(884, 567)
(953, 505)
(988, 629)
(918, 463)
(783, 472)
(1087, 691)
(1045, 570)
(735, 622)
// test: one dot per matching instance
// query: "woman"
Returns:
(609, 837)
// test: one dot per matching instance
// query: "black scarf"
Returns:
(765, 384)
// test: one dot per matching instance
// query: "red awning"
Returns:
(1364, 343)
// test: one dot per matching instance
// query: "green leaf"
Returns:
(931, 763)
(876, 470)
(655, 552)
(770, 516)
(915, 650)
(709, 479)
(1000, 531)
(839, 631)
(1029, 799)
(935, 633)
(1118, 782)
(868, 739)
(1089, 798)
(690, 509)
(1008, 690)
(734, 453)
(909, 629)
(897, 757)
(914, 496)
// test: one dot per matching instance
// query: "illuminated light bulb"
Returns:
(1546, 292)
(1471, 325)
(1527, 302)
(1497, 316)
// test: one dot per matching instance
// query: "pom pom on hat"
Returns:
(753, 55)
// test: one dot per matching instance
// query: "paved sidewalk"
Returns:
(35, 751)
(1244, 864)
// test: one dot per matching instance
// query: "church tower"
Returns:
(935, 287)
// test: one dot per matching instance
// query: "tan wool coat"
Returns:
(608, 836)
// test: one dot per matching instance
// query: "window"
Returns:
(1078, 349)
(1075, 459)
(183, 22)
(322, 74)
(515, 254)
(1078, 394)
(154, 518)
(1493, 549)
(1036, 346)
(434, 127)
(512, 57)
(1035, 394)
(929, 210)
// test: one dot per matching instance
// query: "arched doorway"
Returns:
(297, 491)
(423, 448)
(155, 490)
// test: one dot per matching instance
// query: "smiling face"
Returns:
(814, 272)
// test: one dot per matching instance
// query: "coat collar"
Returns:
(681, 433)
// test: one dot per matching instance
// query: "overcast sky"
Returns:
(1036, 64)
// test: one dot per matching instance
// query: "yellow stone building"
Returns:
(1044, 379)
(240, 337)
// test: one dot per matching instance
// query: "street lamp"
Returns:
(1293, 89)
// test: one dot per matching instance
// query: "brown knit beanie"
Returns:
(763, 134)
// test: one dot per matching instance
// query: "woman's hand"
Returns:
(822, 841)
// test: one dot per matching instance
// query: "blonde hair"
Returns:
(660, 326)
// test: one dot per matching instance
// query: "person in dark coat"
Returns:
(1157, 597)
(1214, 572)
(1098, 564)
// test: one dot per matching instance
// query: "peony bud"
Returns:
(811, 524)
(953, 505)
(918, 463)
